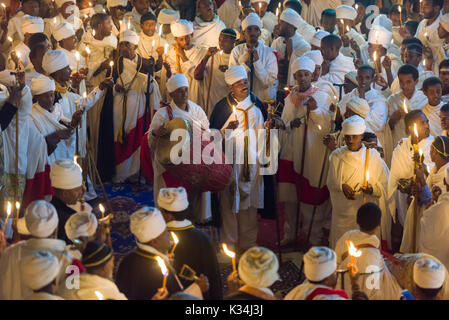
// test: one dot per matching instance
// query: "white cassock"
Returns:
(299, 47)
(194, 56)
(358, 38)
(306, 30)
(52, 23)
(265, 69)
(396, 102)
(291, 158)
(229, 12)
(312, 13)
(434, 230)
(196, 116)
(402, 168)
(269, 20)
(49, 122)
(11, 286)
(340, 66)
(72, 59)
(433, 114)
(305, 289)
(347, 167)
(134, 18)
(327, 87)
(32, 74)
(146, 49)
(375, 279)
(207, 33)
(423, 75)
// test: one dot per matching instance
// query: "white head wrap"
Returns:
(303, 63)
(176, 81)
(319, 263)
(234, 74)
(129, 36)
(181, 28)
(258, 267)
(173, 199)
(147, 224)
(41, 218)
(63, 31)
(167, 16)
(54, 60)
(7, 78)
(32, 24)
(60, 3)
(346, 12)
(116, 3)
(42, 84)
(316, 40)
(22, 227)
(359, 106)
(380, 35)
(66, 175)
(292, 17)
(428, 273)
(383, 21)
(4, 94)
(252, 19)
(444, 21)
(81, 224)
(39, 268)
(316, 56)
(354, 125)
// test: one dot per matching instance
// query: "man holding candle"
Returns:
(140, 7)
(345, 23)
(67, 43)
(117, 10)
(268, 18)
(207, 26)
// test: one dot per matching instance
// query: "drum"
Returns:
(205, 177)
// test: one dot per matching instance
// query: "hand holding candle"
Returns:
(231, 255)
(164, 271)
(101, 207)
(354, 254)
(111, 64)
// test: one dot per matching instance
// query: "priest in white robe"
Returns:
(207, 25)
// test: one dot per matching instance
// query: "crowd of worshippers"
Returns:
(360, 101)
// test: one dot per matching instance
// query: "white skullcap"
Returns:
(252, 19)
(41, 218)
(42, 84)
(348, 2)
(234, 74)
(81, 224)
(147, 224)
(319, 263)
(444, 22)
(359, 106)
(63, 31)
(116, 3)
(428, 273)
(173, 199)
(167, 16)
(38, 269)
(316, 40)
(60, 3)
(383, 21)
(255, 1)
(65, 174)
(32, 24)
(176, 81)
(129, 36)
(303, 63)
(181, 28)
(7, 78)
(354, 125)
(22, 227)
(380, 35)
(54, 60)
(4, 94)
(316, 56)
(258, 267)
(292, 17)
(346, 12)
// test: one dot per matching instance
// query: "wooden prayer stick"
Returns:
(365, 182)
(210, 82)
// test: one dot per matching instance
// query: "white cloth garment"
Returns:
(207, 33)
(340, 66)
(423, 75)
(312, 12)
(433, 114)
(147, 224)
(134, 17)
(302, 291)
(229, 12)
(52, 23)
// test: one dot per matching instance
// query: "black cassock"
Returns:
(196, 250)
(139, 276)
(64, 213)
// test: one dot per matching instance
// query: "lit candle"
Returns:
(54, 21)
(87, 57)
(99, 295)
(354, 254)
(319, 127)
(8, 213)
(75, 160)
(129, 23)
(175, 240)
(17, 209)
(367, 177)
(404, 106)
(260, 8)
(277, 14)
(165, 51)
(84, 97)
(415, 145)
(241, 8)
(420, 155)
(231, 255)
(152, 46)
(415, 130)
(101, 207)
(375, 61)
(77, 57)
(120, 22)
(10, 39)
(93, 33)
(111, 64)
(356, 6)
(400, 14)
(90, 4)
(235, 112)
(426, 35)
(18, 60)
(164, 271)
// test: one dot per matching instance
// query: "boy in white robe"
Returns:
(317, 81)
(207, 25)
(444, 77)
(268, 18)
(307, 30)
(348, 180)
(150, 43)
(345, 23)
(432, 88)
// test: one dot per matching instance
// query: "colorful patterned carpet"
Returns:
(127, 198)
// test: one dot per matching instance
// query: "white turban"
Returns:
(234, 74)
(54, 60)
(380, 35)
(292, 17)
(316, 56)
(359, 106)
(129, 36)
(258, 267)
(252, 19)
(167, 16)
(173, 199)
(32, 24)
(39, 268)
(66, 175)
(319, 263)
(116, 3)
(176, 81)
(303, 63)
(63, 31)
(346, 12)
(354, 125)
(4, 94)
(7, 78)
(383, 21)
(255, 1)
(81, 224)
(42, 84)
(60, 3)
(316, 40)
(444, 21)
(147, 224)
(181, 28)
(22, 227)
(428, 273)
(41, 218)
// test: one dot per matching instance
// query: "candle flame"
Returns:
(4, 6)
(87, 50)
(90, 4)
(93, 33)
(425, 34)
(342, 21)
(160, 31)
(335, 97)
(77, 56)
(228, 252)
(75, 160)
(111, 64)
(356, 6)
(319, 127)
(424, 62)
(166, 49)
(84, 95)
(286, 88)
(18, 54)
(367, 176)
(162, 265)
(99, 295)
(9, 39)
(352, 250)
(153, 43)
(233, 109)
(279, 5)
(347, 28)
(8, 208)
(375, 56)
(405, 107)
(260, 5)
(54, 20)
(17, 205)
(415, 130)
(101, 207)
(399, 9)
(420, 152)
(175, 238)
(277, 12)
